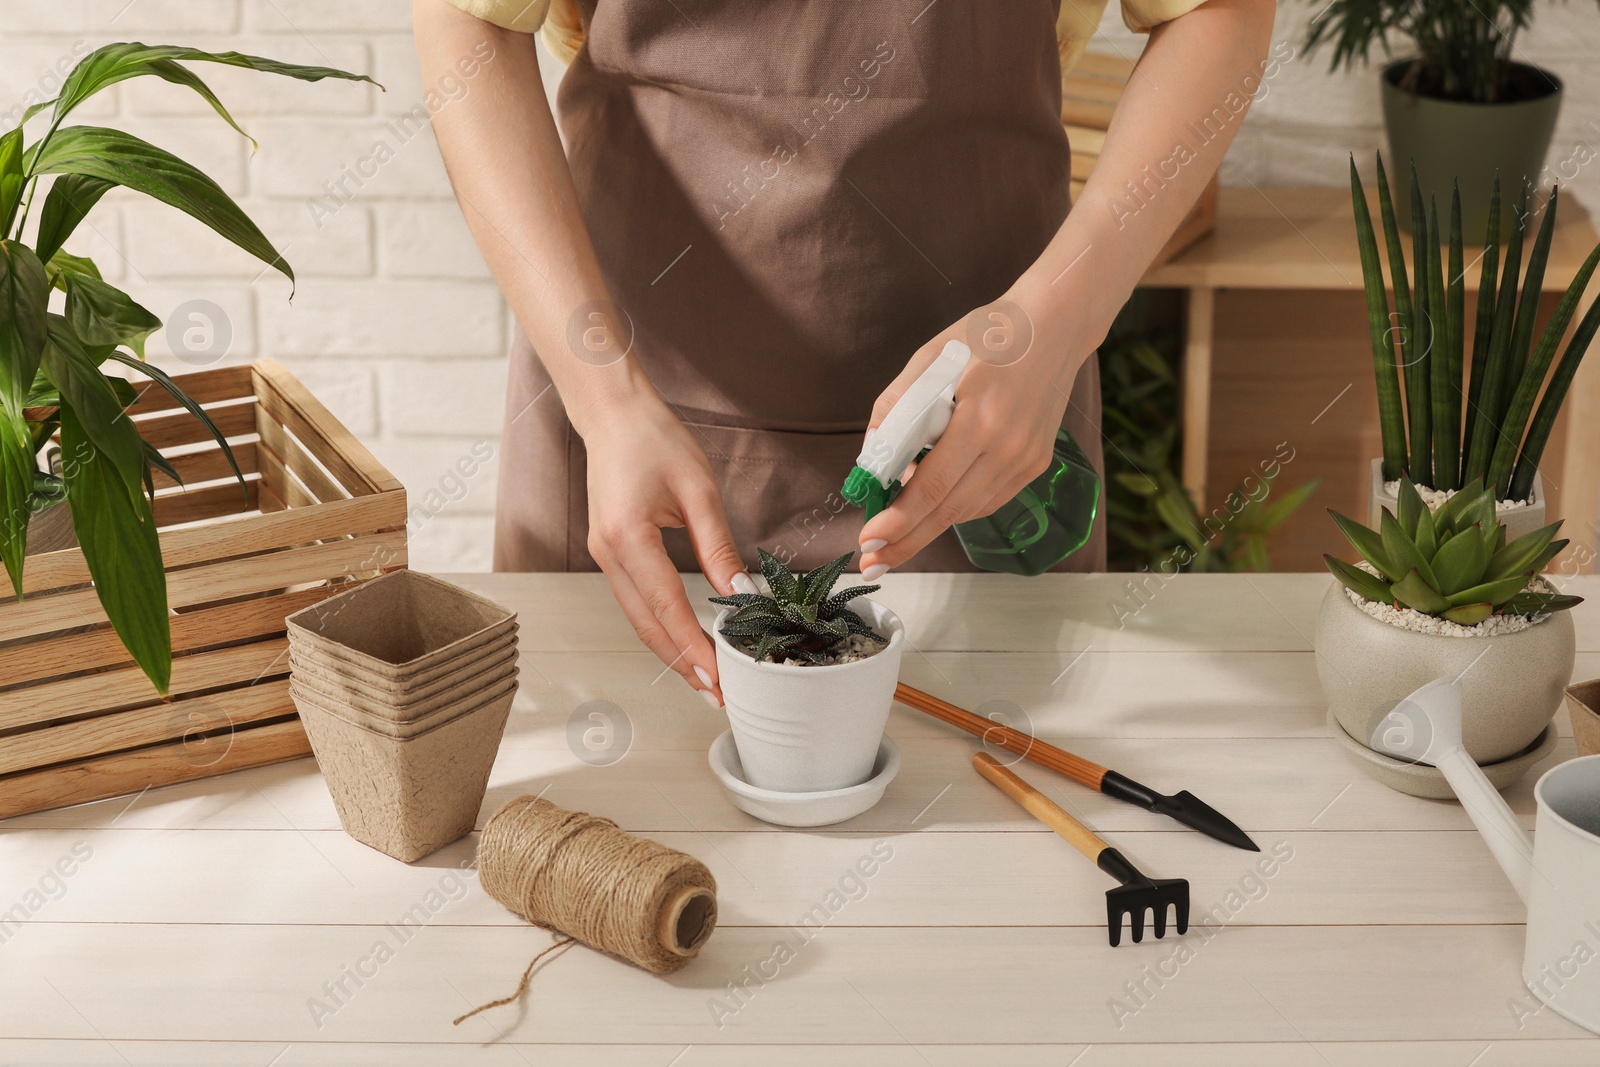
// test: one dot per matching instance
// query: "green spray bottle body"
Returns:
(1049, 520)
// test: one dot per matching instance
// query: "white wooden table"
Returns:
(214, 922)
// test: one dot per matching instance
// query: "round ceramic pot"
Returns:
(1512, 683)
(1450, 140)
(808, 729)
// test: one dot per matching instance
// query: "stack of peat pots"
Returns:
(404, 686)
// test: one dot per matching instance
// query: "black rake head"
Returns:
(1154, 895)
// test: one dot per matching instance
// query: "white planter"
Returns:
(1519, 520)
(1512, 683)
(807, 729)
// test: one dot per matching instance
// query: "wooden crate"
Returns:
(1089, 95)
(78, 720)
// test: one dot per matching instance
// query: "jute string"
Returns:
(584, 878)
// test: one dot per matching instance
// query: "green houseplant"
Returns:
(1461, 107)
(1446, 593)
(53, 364)
(1478, 401)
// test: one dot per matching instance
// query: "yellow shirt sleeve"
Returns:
(558, 19)
(1080, 18)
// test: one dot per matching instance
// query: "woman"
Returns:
(762, 208)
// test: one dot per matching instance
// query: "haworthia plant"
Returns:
(802, 618)
(1455, 422)
(51, 377)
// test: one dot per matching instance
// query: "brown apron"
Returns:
(789, 198)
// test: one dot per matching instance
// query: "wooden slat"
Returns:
(130, 772)
(206, 387)
(1082, 166)
(182, 428)
(211, 582)
(1087, 113)
(294, 458)
(303, 414)
(127, 687)
(42, 660)
(1087, 140)
(210, 502)
(198, 544)
(207, 465)
(285, 489)
(144, 726)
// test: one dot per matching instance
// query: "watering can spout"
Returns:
(1426, 727)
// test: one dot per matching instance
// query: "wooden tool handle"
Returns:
(1040, 806)
(1028, 747)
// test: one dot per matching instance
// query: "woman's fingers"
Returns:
(930, 495)
(651, 595)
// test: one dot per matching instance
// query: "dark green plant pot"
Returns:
(1469, 143)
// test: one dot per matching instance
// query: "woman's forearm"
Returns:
(506, 164)
(1181, 109)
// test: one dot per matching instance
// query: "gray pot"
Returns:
(1454, 141)
(1512, 682)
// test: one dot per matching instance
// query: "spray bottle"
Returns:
(1041, 526)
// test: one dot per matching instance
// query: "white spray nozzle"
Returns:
(917, 418)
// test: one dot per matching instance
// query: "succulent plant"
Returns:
(1452, 562)
(802, 618)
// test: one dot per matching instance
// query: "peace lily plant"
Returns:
(54, 352)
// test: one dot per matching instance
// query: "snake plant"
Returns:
(1452, 562)
(1459, 418)
(802, 618)
(53, 381)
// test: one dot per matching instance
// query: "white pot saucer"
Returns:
(802, 809)
(1421, 780)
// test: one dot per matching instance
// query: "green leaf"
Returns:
(24, 299)
(1367, 586)
(117, 531)
(1136, 483)
(1492, 400)
(1531, 603)
(1286, 504)
(113, 63)
(1402, 552)
(1484, 319)
(1417, 593)
(94, 403)
(1408, 505)
(1520, 555)
(102, 314)
(783, 584)
(738, 600)
(125, 160)
(1369, 544)
(1555, 392)
(1497, 592)
(16, 489)
(1460, 561)
(64, 261)
(1391, 418)
(69, 200)
(1419, 356)
(1449, 513)
(835, 604)
(818, 582)
(1427, 537)
(11, 178)
(1468, 614)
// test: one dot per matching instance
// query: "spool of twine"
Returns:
(586, 879)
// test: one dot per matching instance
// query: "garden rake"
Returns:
(1137, 893)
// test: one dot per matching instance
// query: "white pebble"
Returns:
(1417, 622)
(1434, 498)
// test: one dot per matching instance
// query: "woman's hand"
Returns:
(1009, 405)
(647, 473)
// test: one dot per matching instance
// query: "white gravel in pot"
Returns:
(1417, 622)
(848, 650)
(1434, 498)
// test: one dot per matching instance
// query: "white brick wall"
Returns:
(396, 324)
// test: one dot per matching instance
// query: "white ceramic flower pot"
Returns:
(1512, 683)
(807, 729)
(1519, 520)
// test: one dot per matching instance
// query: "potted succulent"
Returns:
(1462, 106)
(1468, 410)
(808, 677)
(54, 381)
(1444, 593)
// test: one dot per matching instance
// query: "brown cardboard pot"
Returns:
(400, 624)
(399, 703)
(407, 797)
(408, 688)
(360, 715)
(1582, 700)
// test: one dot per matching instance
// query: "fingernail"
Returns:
(711, 698)
(704, 676)
(743, 583)
(874, 572)
(873, 545)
